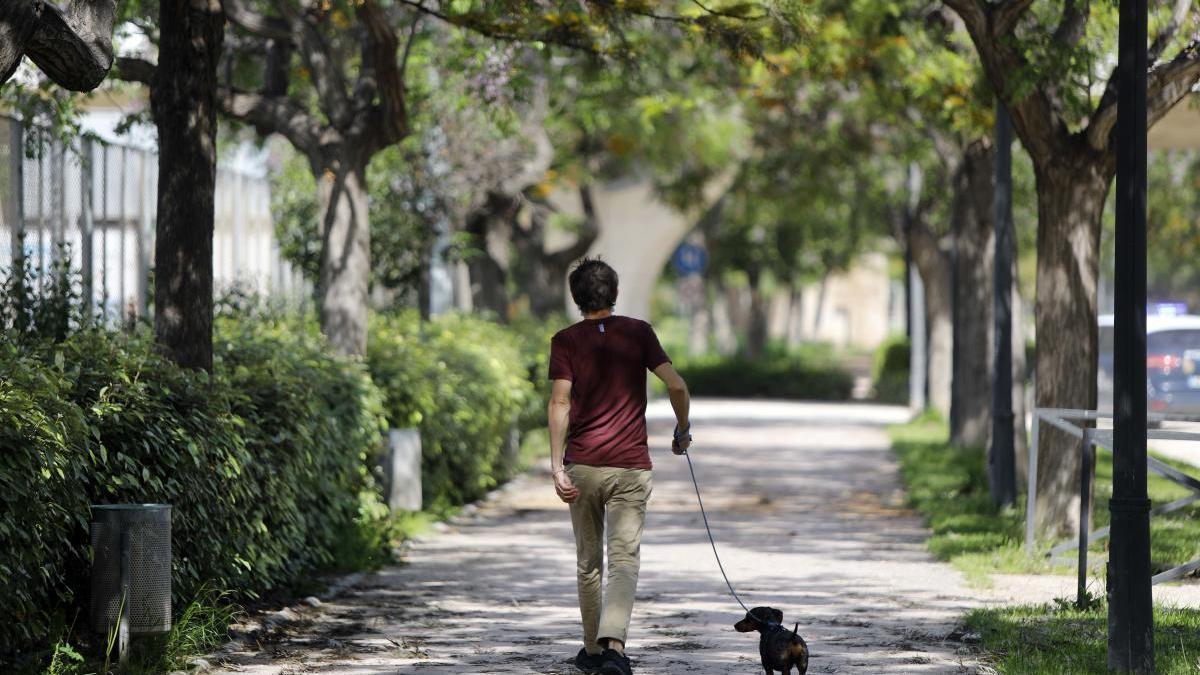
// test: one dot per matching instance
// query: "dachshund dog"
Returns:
(779, 647)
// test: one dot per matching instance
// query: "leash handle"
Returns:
(677, 437)
(686, 431)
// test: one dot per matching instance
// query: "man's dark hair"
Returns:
(593, 285)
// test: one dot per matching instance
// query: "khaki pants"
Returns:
(621, 495)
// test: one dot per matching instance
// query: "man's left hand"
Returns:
(680, 442)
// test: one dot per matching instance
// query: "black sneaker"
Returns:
(588, 663)
(615, 663)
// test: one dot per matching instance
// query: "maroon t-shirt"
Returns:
(606, 361)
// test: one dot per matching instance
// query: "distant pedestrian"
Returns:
(599, 454)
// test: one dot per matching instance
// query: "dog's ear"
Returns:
(777, 615)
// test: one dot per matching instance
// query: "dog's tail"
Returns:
(794, 630)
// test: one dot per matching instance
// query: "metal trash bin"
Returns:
(131, 547)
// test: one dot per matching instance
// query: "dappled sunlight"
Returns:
(807, 518)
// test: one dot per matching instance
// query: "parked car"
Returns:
(1172, 364)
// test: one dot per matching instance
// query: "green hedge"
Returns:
(889, 375)
(786, 376)
(267, 463)
(42, 508)
(264, 463)
(313, 424)
(533, 335)
(465, 383)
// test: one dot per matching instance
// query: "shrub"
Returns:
(462, 381)
(264, 463)
(533, 339)
(313, 426)
(889, 375)
(42, 504)
(791, 376)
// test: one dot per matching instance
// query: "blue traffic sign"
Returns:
(689, 259)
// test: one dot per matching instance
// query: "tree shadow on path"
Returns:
(808, 518)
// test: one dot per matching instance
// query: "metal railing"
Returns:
(1090, 438)
(96, 202)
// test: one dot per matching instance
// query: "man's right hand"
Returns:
(565, 488)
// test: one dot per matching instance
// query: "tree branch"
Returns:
(728, 15)
(1165, 86)
(973, 13)
(270, 27)
(327, 76)
(1035, 117)
(589, 229)
(1169, 31)
(18, 22)
(1104, 117)
(277, 67)
(496, 34)
(387, 120)
(1073, 23)
(412, 35)
(132, 69)
(73, 46)
(273, 114)
(1006, 15)
(267, 114)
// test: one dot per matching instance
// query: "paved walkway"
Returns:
(808, 515)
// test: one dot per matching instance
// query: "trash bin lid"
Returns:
(131, 513)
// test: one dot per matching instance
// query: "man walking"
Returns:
(599, 455)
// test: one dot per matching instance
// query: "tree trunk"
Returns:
(425, 282)
(938, 309)
(723, 329)
(541, 275)
(1071, 193)
(739, 312)
(974, 237)
(489, 290)
(183, 102)
(1020, 373)
(820, 306)
(345, 252)
(699, 327)
(756, 328)
(934, 267)
(795, 324)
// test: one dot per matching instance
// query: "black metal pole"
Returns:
(1087, 452)
(1001, 458)
(1130, 606)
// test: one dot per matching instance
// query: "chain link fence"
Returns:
(92, 205)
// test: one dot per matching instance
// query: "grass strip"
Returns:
(1059, 639)
(948, 486)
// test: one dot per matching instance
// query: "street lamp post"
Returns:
(1130, 606)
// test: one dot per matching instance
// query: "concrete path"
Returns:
(808, 515)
